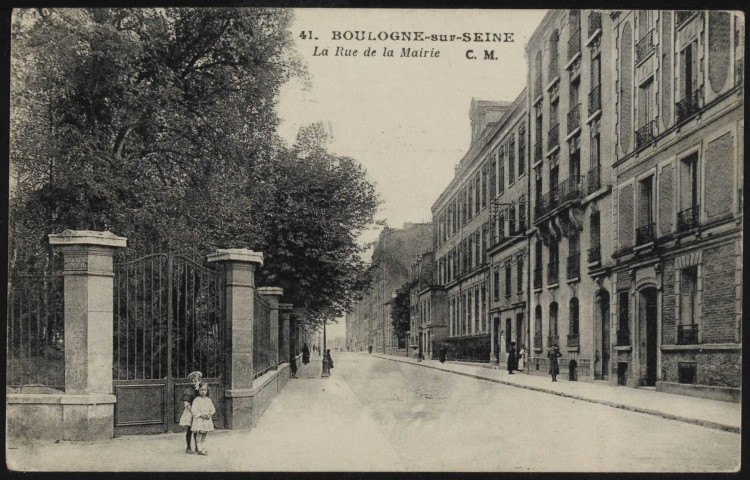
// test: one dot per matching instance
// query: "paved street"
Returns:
(376, 414)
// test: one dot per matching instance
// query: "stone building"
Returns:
(571, 92)
(507, 249)
(677, 216)
(461, 215)
(427, 307)
(392, 257)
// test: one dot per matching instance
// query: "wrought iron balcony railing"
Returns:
(570, 190)
(574, 118)
(538, 153)
(687, 334)
(595, 99)
(644, 234)
(688, 106)
(553, 270)
(574, 265)
(593, 180)
(595, 253)
(538, 277)
(595, 22)
(681, 15)
(688, 218)
(553, 137)
(554, 68)
(645, 46)
(574, 44)
(574, 340)
(645, 134)
(623, 338)
(553, 340)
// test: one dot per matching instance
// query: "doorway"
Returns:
(647, 324)
(496, 338)
(602, 306)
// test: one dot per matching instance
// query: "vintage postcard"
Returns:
(375, 240)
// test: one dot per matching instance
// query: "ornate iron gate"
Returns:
(168, 321)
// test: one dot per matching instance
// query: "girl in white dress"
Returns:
(202, 408)
(521, 355)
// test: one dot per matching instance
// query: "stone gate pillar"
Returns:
(273, 294)
(88, 404)
(285, 313)
(239, 266)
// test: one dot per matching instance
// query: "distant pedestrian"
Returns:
(327, 363)
(442, 354)
(521, 356)
(512, 360)
(369, 349)
(305, 354)
(203, 408)
(188, 395)
(293, 366)
(553, 354)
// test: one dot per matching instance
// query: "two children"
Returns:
(197, 414)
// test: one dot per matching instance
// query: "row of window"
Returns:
(468, 312)
(485, 185)
(553, 334)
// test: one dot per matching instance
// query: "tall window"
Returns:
(485, 234)
(501, 172)
(519, 273)
(511, 160)
(553, 333)
(538, 183)
(512, 220)
(483, 318)
(623, 316)
(477, 192)
(595, 95)
(521, 150)
(522, 213)
(493, 177)
(687, 331)
(538, 327)
(496, 284)
(507, 278)
(645, 231)
(689, 182)
(484, 186)
(645, 102)
(573, 317)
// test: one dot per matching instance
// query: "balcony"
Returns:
(645, 134)
(593, 180)
(644, 47)
(538, 153)
(574, 118)
(538, 278)
(574, 266)
(595, 100)
(645, 234)
(688, 106)
(595, 22)
(553, 270)
(553, 137)
(595, 254)
(574, 340)
(688, 218)
(570, 190)
(574, 44)
(623, 338)
(687, 334)
(553, 340)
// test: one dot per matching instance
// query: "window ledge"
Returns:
(572, 60)
(593, 116)
(573, 280)
(572, 134)
(574, 349)
(704, 346)
(551, 286)
(623, 348)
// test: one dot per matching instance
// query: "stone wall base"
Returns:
(59, 417)
(243, 408)
(726, 394)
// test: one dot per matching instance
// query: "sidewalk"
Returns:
(314, 424)
(698, 411)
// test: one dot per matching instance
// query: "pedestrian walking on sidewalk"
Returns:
(512, 360)
(305, 354)
(442, 354)
(521, 355)
(203, 408)
(190, 394)
(553, 354)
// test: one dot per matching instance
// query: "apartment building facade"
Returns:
(571, 89)
(677, 311)
(427, 308)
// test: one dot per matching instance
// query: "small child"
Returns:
(190, 394)
(202, 408)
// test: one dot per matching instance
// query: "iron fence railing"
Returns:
(574, 118)
(574, 266)
(645, 234)
(595, 99)
(688, 106)
(645, 134)
(595, 253)
(553, 137)
(681, 16)
(574, 340)
(645, 46)
(574, 44)
(688, 218)
(538, 153)
(593, 180)
(570, 190)
(554, 68)
(35, 329)
(687, 334)
(553, 340)
(261, 336)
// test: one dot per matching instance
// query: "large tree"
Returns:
(160, 125)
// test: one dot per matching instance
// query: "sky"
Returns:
(406, 120)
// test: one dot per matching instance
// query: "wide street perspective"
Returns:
(377, 414)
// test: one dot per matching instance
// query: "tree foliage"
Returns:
(400, 315)
(160, 125)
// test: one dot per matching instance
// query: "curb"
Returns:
(622, 406)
